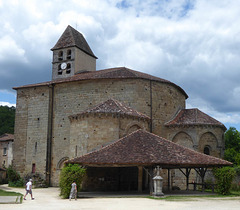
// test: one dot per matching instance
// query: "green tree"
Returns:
(7, 117)
(232, 139)
(69, 174)
(224, 177)
(232, 145)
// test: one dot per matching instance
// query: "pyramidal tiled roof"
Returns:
(144, 148)
(112, 73)
(193, 117)
(6, 137)
(71, 38)
(112, 106)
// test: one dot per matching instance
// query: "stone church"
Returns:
(83, 109)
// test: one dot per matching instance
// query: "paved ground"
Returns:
(48, 199)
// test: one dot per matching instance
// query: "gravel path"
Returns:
(48, 198)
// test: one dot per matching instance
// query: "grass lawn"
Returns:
(194, 197)
(7, 193)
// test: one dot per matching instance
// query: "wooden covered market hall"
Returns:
(129, 163)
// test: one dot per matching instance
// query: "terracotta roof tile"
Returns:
(6, 137)
(71, 38)
(193, 117)
(112, 106)
(144, 148)
(112, 73)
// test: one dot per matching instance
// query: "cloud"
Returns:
(194, 44)
(2, 103)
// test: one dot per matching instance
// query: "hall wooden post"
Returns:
(140, 178)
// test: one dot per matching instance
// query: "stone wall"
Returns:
(31, 128)
(6, 158)
(196, 138)
(94, 131)
(31, 124)
(72, 98)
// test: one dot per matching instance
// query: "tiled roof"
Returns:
(6, 137)
(144, 148)
(73, 38)
(112, 106)
(112, 73)
(193, 117)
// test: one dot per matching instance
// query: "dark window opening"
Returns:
(69, 54)
(59, 70)
(33, 168)
(4, 151)
(206, 150)
(68, 71)
(60, 55)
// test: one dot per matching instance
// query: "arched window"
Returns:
(68, 71)
(69, 54)
(59, 69)
(206, 150)
(60, 55)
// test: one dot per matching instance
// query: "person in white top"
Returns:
(29, 189)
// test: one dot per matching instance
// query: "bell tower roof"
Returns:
(73, 38)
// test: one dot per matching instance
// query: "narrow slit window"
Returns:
(33, 168)
(4, 151)
(35, 150)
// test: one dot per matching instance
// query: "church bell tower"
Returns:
(72, 55)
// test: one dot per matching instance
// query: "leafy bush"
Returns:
(14, 179)
(69, 174)
(18, 183)
(224, 177)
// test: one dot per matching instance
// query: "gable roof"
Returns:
(7, 137)
(193, 117)
(112, 106)
(144, 148)
(112, 73)
(73, 38)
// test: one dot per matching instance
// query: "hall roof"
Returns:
(144, 148)
(112, 106)
(73, 38)
(188, 117)
(112, 73)
(7, 137)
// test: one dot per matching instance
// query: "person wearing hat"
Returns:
(29, 189)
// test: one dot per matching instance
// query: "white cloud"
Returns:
(10, 50)
(194, 44)
(2, 103)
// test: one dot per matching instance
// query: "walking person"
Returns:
(73, 193)
(29, 189)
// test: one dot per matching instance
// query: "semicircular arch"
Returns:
(208, 139)
(61, 162)
(184, 139)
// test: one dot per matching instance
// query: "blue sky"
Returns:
(193, 43)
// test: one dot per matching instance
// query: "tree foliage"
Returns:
(7, 117)
(224, 177)
(232, 145)
(14, 179)
(69, 174)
